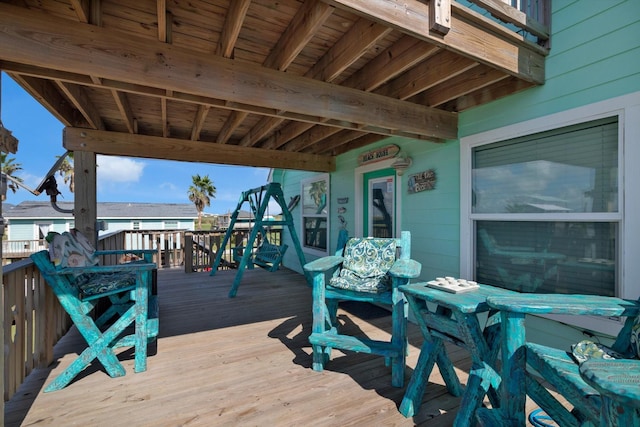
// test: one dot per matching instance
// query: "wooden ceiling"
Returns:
(285, 84)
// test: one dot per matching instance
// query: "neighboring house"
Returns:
(551, 172)
(244, 220)
(33, 220)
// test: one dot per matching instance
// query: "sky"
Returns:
(120, 179)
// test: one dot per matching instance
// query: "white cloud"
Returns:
(119, 169)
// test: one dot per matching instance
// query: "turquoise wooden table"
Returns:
(453, 317)
(618, 382)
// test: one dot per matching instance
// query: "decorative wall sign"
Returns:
(382, 153)
(422, 181)
(343, 200)
(342, 210)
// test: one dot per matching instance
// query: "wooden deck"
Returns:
(241, 361)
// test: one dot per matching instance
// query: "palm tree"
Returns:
(10, 167)
(66, 171)
(199, 194)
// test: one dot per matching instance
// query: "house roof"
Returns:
(33, 209)
(288, 84)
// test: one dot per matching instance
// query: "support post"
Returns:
(85, 206)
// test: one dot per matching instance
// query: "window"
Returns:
(544, 210)
(315, 214)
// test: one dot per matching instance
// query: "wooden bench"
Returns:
(267, 255)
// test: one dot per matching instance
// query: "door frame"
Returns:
(358, 192)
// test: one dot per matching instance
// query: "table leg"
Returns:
(143, 280)
(432, 351)
(513, 390)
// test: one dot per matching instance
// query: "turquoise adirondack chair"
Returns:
(70, 269)
(369, 270)
(611, 400)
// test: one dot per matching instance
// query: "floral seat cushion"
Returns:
(366, 264)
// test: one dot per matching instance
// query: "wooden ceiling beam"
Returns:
(304, 25)
(427, 74)
(469, 36)
(76, 94)
(47, 94)
(497, 90)
(358, 40)
(161, 11)
(82, 9)
(401, 56)
(459, 85)
(394, 60)
(303, 122)
(132, 145)
(198, 122)
(124, 107)
(232, 25)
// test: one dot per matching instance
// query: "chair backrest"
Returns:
(367, 261)
(403, 244)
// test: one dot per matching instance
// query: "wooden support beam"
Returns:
(47, 94)
(131, 145)
(232, 26)
(125, 110)
(76, 94)
(198, 121)
(308, 19)
(161, 10)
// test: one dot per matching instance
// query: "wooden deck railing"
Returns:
(33, 322)
(205, 244)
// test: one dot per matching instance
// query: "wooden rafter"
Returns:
(77, 96)
(311, 15)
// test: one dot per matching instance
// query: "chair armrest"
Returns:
(406, 269)
(323, 264)
(565, 304)
(105, 268)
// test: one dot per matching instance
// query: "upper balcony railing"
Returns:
(530, 18)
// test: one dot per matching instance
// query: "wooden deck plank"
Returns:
(239, 361)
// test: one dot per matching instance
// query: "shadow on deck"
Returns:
(239, 361)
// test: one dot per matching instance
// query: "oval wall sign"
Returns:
(382, 153)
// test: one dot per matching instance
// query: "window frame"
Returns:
(306, 183)
(627, 109)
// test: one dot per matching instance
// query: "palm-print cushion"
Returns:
(71, 249)
(366, 264)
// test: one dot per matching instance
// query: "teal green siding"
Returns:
(595, 55)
